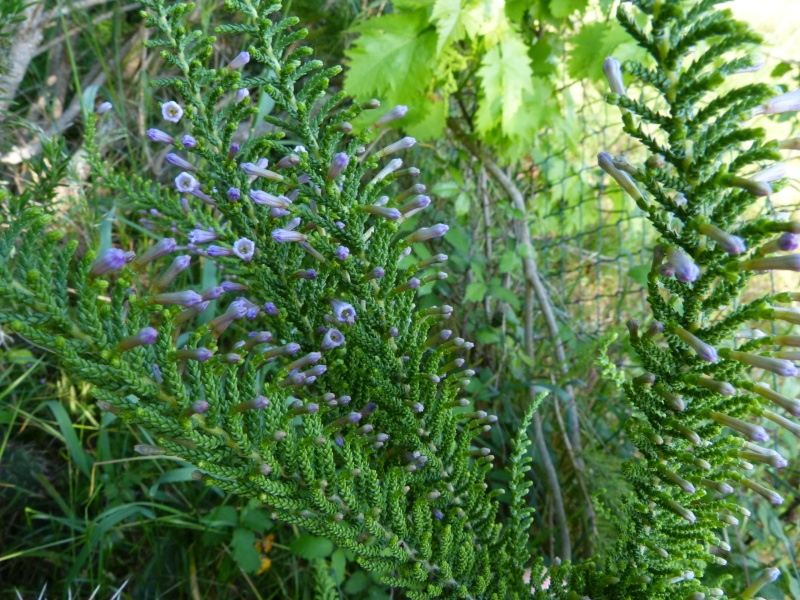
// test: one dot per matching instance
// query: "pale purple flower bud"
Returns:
(772, 173)
(112, 259)
(234, 194)
(344, 312)
(184, 298)
(241, 94)
(428, 233)
(266, 199)
(764, 456)
(391, 214)
(179, 264)
(333, 339)
(156, 135)
(787, 424)
(788, 262)
(277, 213)
(198, 354)
(680, 200)
(404, 144)
(781, 367)
(411, 284)
(416, 204)
(719, 486)
(704, 351)
(200, 407)
(394, 332)
(342, 252)
(171, 111)
(213, 293)
(720, 387)
(283, 235)
(339, 163)
(186, 183)
(202, 236)
(755, 188)
(257, 403)
(253, 310)
(398, 112)
(755, 433)
(233, 151)
(244, 249)
(376, 273)
(613, 72)
(674, 401)
(145, 337)
(177, 161)
(198, 193)
(290, 160)
(787, 340)
(606, 162)
(270, 308)
(218, 251)
(235, 311)
(433, 260)
(731, 244)
(230, 358)
(390, 168)
(185, 205)
(161, 248)
(315, 371)
(439, 338)
(188, 141)
(790, 315)
(788, 102)
(256, 171)
(305, 274)
(148, 450)
(771, 496)
(683, 512)
(239, 61)
(685, 268)
(339, 224)
(104, 108)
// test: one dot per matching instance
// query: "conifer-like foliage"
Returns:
(321, 390)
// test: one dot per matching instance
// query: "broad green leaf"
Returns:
(339, 566)
(447, 14)
(506, 75)
(509, 262)
(244, 551)
(639, 274)
(564, 8)
(357, 583)
(255, 519)
(310, 547)
(476, 292)
(593, 43)
(486, 18)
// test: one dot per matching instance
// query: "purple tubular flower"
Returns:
(270, 308)
(290, 160)
(156, 135)
(342, 252)
(145, 337)
(779, 366)
(179, 264)
(171, 111)
(789, 102)
(376, 273)
(241, 94)
(266, 199)
(256, 171)
(790, 315)
(277, 213)
(344, 312)
(190, 312)
(721, 387)
(213, 293)
(198, 354)
(731, 244)
(398, 112)
(788, 262)
(789, 404)
(756, 188)
(253, 310)
(755, 433)
(161, 248)
(200, 407)
(704, 351)
(177, 161)
(233, 151)
(283, 235)
(202, 236)
(339, 163)
(185, 182)
(104, 108)
(257, 403)
(236, 310)
(418, 203)
(433, 260)
(613, 72)
(244, 249)
(315, 371)
(404, 144)
(382, 211)
(606, 162)
(239, 61)
(411, 284)
(428, 233)
(112, 259)
(772, 497)
(390, 168)
(188, 141)
(184, 298)
(788, 242)
(437, 514)
(234, 194)
(333, 339)
(305, 274)
(218, 251)
(685, 268)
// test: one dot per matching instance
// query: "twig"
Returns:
(23, 48)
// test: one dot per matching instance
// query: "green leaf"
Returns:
(244, 551)
(509, 262)
(592, 44)
(81, 458)
(781, 69)
(448, 16)
(506, 76)
(222, 516)
(357, 583)
(310, 547)
(476, 292)
(255, 519)
(561, 9)
(639, 274)
(339, 566)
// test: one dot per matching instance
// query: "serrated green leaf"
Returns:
(509, 262)
(310, 547)
(243, 550)
(475, 292)
(448, 16)
(564, 8)
(593, 43)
